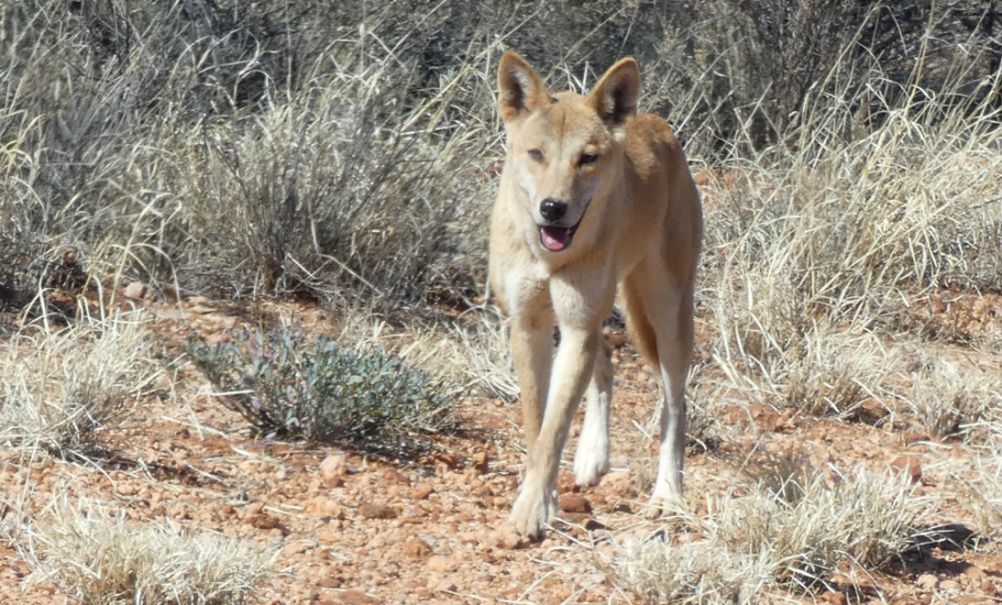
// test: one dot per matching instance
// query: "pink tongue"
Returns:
(555, 238)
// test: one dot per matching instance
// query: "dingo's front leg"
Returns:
(532, 356)
(571, 371)
(579, 304)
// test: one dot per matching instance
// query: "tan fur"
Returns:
(623, 180)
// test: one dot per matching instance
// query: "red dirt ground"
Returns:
(383, 532)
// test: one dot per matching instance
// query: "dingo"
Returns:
(591, 196)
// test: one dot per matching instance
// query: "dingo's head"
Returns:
(564, 151)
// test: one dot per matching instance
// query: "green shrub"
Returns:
(287, 386)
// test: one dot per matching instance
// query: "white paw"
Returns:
(591, 460)
(667, 499)
(532, 510)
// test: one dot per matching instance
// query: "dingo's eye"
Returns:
(587, 158)
(536, 155)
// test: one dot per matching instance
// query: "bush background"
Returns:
(345, 150)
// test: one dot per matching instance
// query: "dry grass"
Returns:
(100, 558)
(814, 243)
(764, 541)
(948, 398)
(58, 389)
(982, 493)
(485, 356)
(689, 573)
(349, 154)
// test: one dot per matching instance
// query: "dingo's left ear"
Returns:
(521, 88)
(615, 95)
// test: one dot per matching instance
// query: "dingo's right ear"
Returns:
(521, 88)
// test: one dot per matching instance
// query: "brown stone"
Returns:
(927, 581)
(296, 548)
(324, 507)
(333, 470)
(441, 564)
(422, 492)
(480, 462)
(832, 598)
(136, 290)
(574, 503)
(331, 533)
(450, 459)
(264, 521)
(393, 475)
(508, 539)
(913, 438)
(909, 464)
(416, 548)
(357, 597)
(377, 510)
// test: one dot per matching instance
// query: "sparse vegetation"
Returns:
(103, 559)
(950, 400)
(764, 541)
(981, 491)
(288, 386)
(60, 388)
(346, 153)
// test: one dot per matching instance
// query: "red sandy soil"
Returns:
(376, 531)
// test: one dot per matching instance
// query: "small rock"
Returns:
(393, 475)
(324, 507)
(331, 533)
(872, 409)
(988, 587)
(909, 464)
(201, 309)
(376, 510)
(927, 581)
(436, 582)
(480, 462)
(328, 580)
(136, 290)
(574, 503)
(357, 597)
(451, 459)
(441, 564)
(949, 585)
(422, 492)
(296, 548)
(416, 548)
(832, 598)
(263, 521)
(508, 539)
(333, 469)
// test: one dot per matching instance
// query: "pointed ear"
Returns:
(520, 87)
(615, 96)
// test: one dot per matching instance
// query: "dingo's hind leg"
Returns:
(667, 316)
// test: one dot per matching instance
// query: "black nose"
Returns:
(552, 210)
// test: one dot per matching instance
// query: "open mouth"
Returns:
(556, 239)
